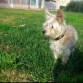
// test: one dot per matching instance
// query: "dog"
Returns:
(62, 37)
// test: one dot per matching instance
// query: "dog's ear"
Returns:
(48, 14)
(59, 16)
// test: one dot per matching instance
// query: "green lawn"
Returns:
(24, 51)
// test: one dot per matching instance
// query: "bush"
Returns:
(76, 6)
(62, 7)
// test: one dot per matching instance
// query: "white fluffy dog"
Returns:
(63, 37)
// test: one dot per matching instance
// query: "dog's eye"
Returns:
(52, 27)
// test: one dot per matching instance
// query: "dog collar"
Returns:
(61, 36)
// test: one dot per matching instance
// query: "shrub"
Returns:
(62, 7)
(76, 6)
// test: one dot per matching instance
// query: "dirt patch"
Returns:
(15, 75)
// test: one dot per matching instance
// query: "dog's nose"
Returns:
(43, 31)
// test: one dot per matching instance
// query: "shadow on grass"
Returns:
(72, 71)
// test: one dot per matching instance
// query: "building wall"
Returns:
(32, 4)
(4, 3)
(22, 4)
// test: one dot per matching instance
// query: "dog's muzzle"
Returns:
(43, 31)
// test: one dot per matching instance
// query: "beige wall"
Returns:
(19, 4)
(4, 5)
(16, 6)
(26, 6)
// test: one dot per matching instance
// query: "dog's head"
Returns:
(54, 24)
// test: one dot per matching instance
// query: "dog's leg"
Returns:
(65, 58)
(55, 55)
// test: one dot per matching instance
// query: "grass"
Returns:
(24, 51)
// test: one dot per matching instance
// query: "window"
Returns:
(33, 2)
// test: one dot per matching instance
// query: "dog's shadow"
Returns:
(73, 68)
